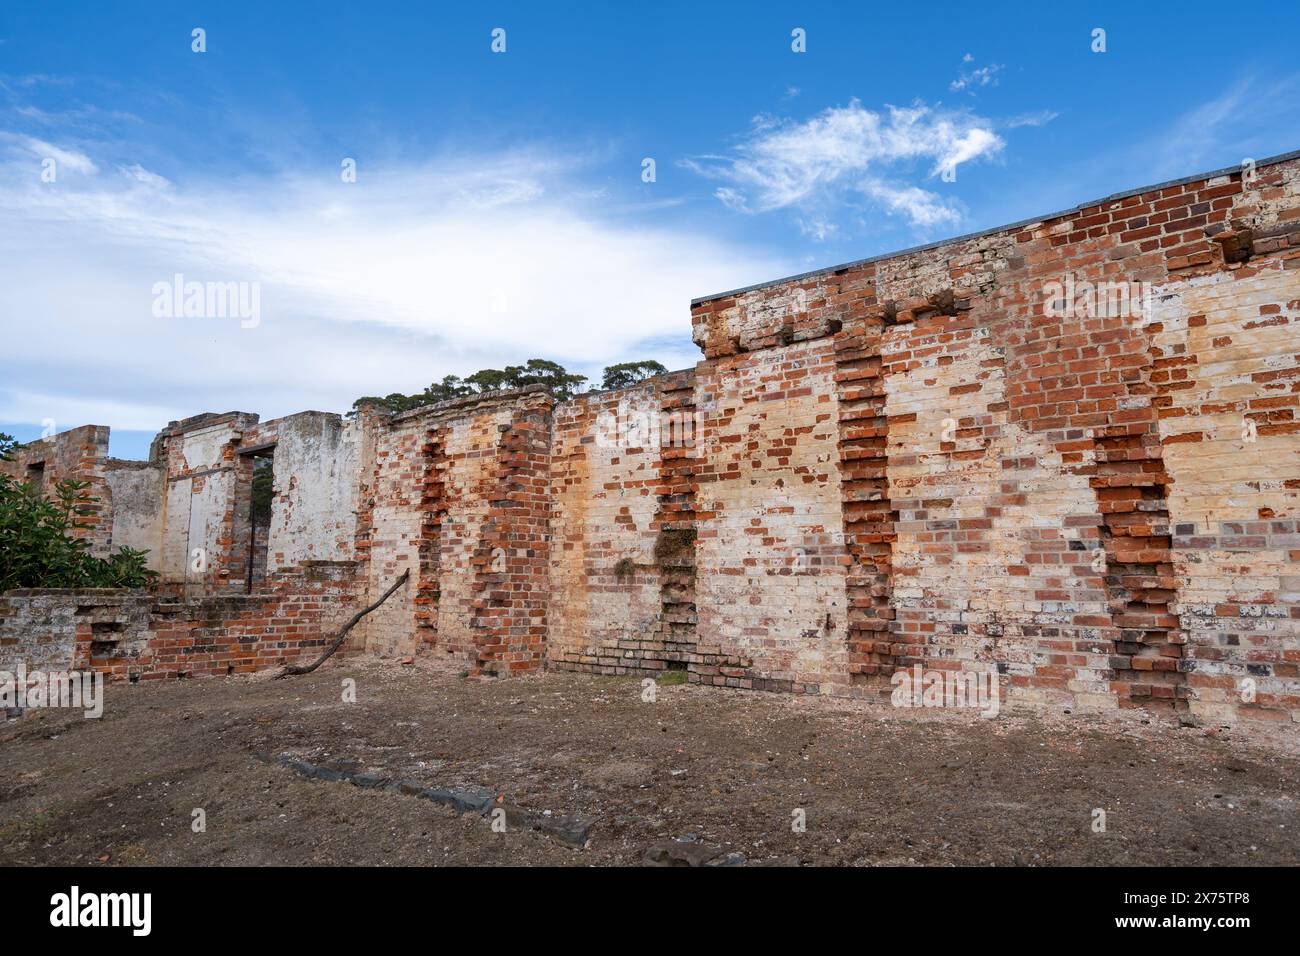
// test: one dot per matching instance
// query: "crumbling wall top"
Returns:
(1170, 227)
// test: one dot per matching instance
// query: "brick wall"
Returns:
(458, 494)
(80, 454)
(40, 628)
(1229, 385)
(1064, 451)
(605, 581)
(292, 616)
(135, 635)
(1041, 446)
(770, 586)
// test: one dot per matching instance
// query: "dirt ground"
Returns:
(723, 771)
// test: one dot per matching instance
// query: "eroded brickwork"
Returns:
(458, 494)
(677, 528)
(770, 586)
(512, 558)
(80, 454)
(1228, 385)
(1064, 452)
(1049, 393)
(994, 549)
(605, 581)
(870, 519)
(139, 636)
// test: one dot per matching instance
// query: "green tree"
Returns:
(263, 490)
(450, 387)
(563, 385)
(560, 381)
(394, 402)
(626, 374)
(38, 546)
(489, 380)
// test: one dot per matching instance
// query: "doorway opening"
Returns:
(36, 476)
(253, 516)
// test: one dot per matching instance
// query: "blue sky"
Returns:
(499, 211)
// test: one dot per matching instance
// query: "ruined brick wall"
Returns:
(314, 505)
(80, 454)
(40, 628)
(392, 490)
(458, 495)
(135, 501)
(206, 526)
(127, 505)
(994, 534)
(1064, 452)
(1229, 383)
(290, 618)
(136, 635)
(605, 582)
(513, 559)
(1041, 446)
(204, 475)
(770, 586)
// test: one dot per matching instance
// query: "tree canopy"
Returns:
(562, 383)
(629, 373)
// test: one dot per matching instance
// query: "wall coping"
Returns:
(1046, 218)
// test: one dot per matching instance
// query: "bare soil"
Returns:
(723, 770)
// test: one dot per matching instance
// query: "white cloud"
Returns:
(922, 207)
(1242, 121)
(984, 76)
(818, 228)
(141, 175)
(66, 159)
(732, 198)
(822, 162)
(1039, 118)
(386, 284)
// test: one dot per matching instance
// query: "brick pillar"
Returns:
(675, 521)
(1131, 484)
(433, 507)
(512, 560)
(869, 518)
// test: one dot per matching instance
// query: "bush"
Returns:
(37, 549)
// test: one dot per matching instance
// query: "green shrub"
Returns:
(38, 550)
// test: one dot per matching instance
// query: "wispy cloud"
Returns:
(1036, 118)
(971, 80)
(28, 147)
(850, 153)
(35, 79)
(141, 175)
(922, 207)
(1243, 118)
(408, 274)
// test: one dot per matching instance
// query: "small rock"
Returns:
(676, 853)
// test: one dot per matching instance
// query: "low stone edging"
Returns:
(574, 831)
